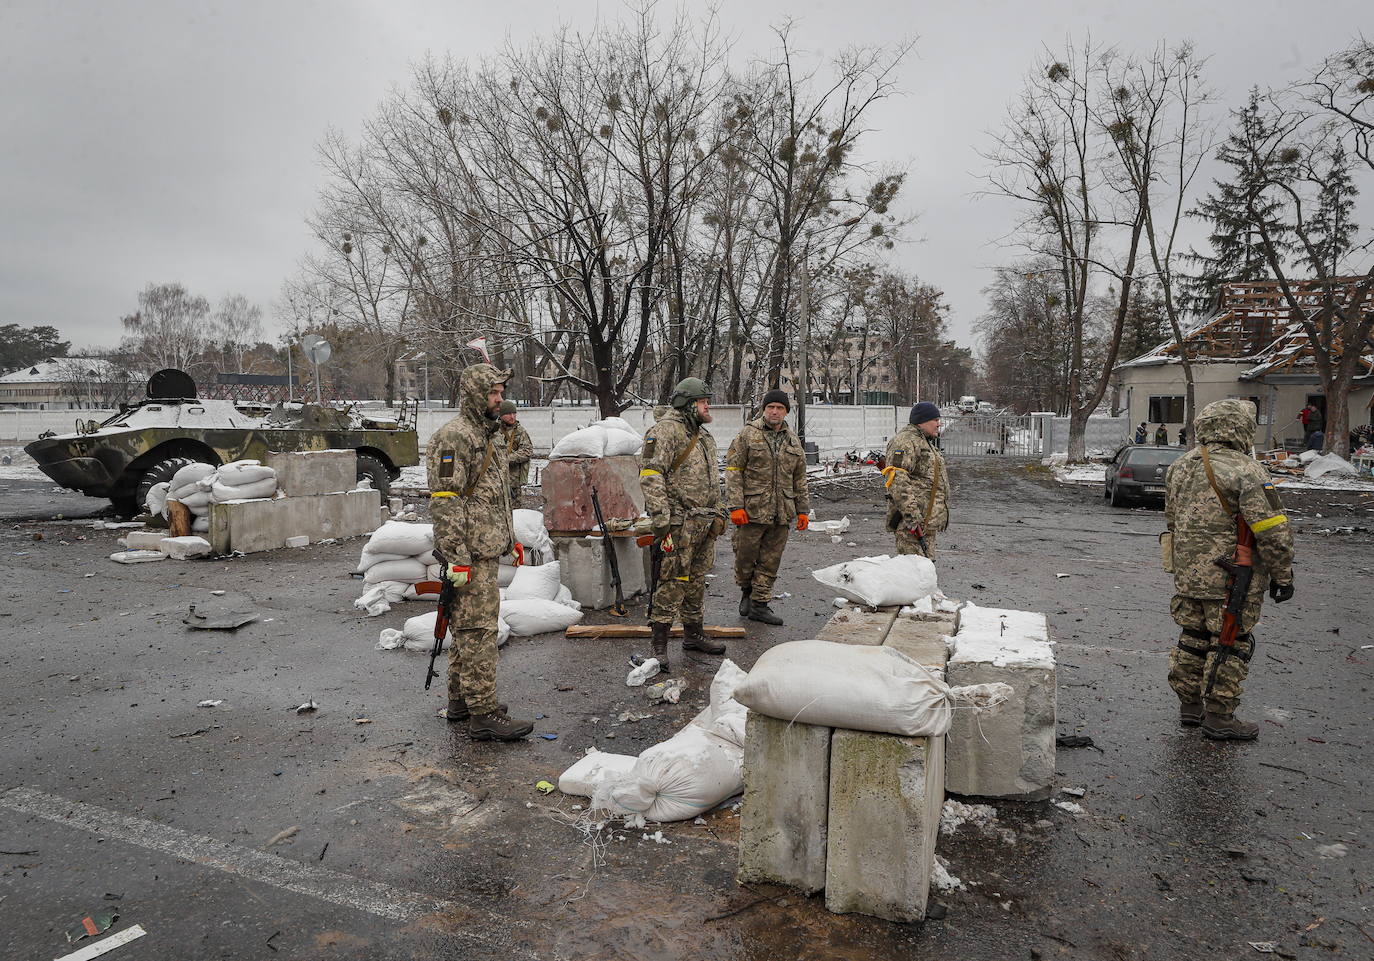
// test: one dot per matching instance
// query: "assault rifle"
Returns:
(448, 591)
(608, 543)
(1240, 571)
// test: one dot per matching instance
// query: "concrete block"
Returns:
(314, 471)
(886, 793)
(567, 485)
(1008, 752)
(184, 548)
(786, 796)
(853, 625)
(922, 640)
(144, 540)
(264, 525)
(584, 570)
(301, 541)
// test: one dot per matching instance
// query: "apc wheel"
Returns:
(374, 470)
(161, 472)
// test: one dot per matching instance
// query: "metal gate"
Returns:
(990, 435)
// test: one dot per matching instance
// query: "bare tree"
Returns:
(169, 329)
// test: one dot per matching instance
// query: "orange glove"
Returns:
(803, 522)
(740, 517)
(519, 552)
(460, 574)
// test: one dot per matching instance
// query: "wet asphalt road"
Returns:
(119, 792)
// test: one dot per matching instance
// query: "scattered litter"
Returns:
(136, 557)
(782, 597)
(106, 945)
(549, 737)
(210, 703)
(1331, 851)
(840, 602)
(196, 733)
(91, 925)
(281, 836)
(1264, 947)
(699, 821)
(1061, 575)
(666, 691)
(307, 707)
(298, 541)
(545, 787)
(1073, 791)
(218, 593)
(1074, 740)
(1071, 807)
(642, 673)
(631, 717)
(362, 720)
(657, 837)
(218, 620)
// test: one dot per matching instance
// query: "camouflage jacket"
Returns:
(919, 466)
(691, 490)
(1202, 529)
(521, 450)
(478, 526)
(765, 473)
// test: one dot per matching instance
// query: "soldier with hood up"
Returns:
(469, 482)
(1206, 491)
(682, 499)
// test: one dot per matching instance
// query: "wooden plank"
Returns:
(643, 630)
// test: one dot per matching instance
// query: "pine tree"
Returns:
(1237, 252)
(1333, 226)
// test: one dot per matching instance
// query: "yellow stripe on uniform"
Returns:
(732, 468)
(681, 578)
(443, 494)
(647, 471)
(890, 473)
(1269, 522)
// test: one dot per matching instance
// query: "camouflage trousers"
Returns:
(473, 654)
(681, 590)
(758, 553)
(1188, 671)
(908, 544)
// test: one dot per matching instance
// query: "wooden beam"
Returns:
(643, 630)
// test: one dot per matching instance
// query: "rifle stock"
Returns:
(447, 592)
(1240, 570)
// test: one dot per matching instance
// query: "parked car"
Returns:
(1137, 473)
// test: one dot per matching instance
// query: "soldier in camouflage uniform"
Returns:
(521, 449)
(765, 487)
(469, 482)
(1201, 514)
(682, 499)
(917, 485)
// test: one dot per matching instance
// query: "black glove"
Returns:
(1280, 592)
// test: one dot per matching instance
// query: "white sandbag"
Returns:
(502, 632)
(505, 573)
(587, 442)
(583, 778)
(534, 583)
(390, 639)
(184, 548)
(681, 778)
(241, 472)
(378, 598)
(400, 537)
(189, 475)
(428, 558)
(196, 501)
(408, 571)
(201, 525)
(621, 443)
(530, 530)
(258, 490)
(156, 501)
(419, 632)
(434, 572)
(881, 581)
(849, 686)
(531, 616)
(368, 560)
(616, 423)
(1333, 465)
(565, 598)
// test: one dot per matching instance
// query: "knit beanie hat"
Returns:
(508, 407)
(923, 412)
(775, 397)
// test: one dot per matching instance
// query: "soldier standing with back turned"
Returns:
(765, 488)
(469, 482)
(1209, 491)
(917, 485)
(682, 499)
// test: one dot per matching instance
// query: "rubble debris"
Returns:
(1074, 740)
(642, 672)
(308, 707)
(666, 691)
(134, 557)
(91, 925)
(284, 835)
(118, 939)
(218, 621)
(210, 703)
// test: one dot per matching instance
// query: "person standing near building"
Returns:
(1215, 494)
(469, 482)
(766, 491)
(519, 445)
(1141, 433)
(682, 498)
(1161, 436)
(1314, 423)
(917, 485)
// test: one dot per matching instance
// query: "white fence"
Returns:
(833, 429)
(1103, 436)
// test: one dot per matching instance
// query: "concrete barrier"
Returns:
(264, 525)
(783, 820)
(584, 570)
(314, 471)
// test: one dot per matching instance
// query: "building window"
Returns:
(1166, 410)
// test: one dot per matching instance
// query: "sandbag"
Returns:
(566, 599)
(378, 598)
(621, 443)
(587, 442)
(848, 686)
(407, 571)
(369, 559)
(197, 501)
(400, 537)
(241, 472)
(258, 490)
(189, 476)
(505, 573)
(881, 581)
(681, 778)
(530, 531)
(539, 583)
(419, 632)
(201, 525)
(585, 776)
(156, 501)
(532, 616)
(616, 423)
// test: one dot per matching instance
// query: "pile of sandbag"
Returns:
(417, 634)
(536, 601)
(185, 487)
(683, 777)
(610, 437)
(532, 535)
(395, 558)
(241, 480)
(197, 486)
(881, 581)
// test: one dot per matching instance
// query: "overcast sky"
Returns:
(168, 141)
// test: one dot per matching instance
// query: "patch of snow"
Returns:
(955, 814)
(1071, 807)
(1003, 638)
(1085, 474)
(941, 879)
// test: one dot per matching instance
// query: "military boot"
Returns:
(458, 709)
(1227, 727)
(497, 726)
(760, 611)
(694, 639)
(660, 638)
(1189, 713)
(744, 603)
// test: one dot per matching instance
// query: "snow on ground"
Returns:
(20, 467)
(1087, 474)
(1327, 483)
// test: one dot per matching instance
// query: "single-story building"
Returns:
(1248, 347)
(68, 383)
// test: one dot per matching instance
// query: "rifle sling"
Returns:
(1212, 479)
(486, 462)
(686, 452)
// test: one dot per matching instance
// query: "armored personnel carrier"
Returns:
(146, 443)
